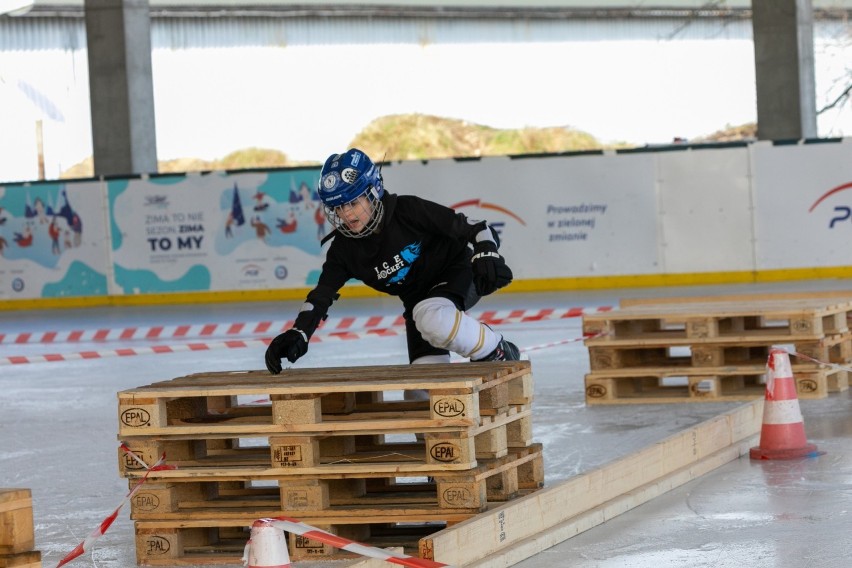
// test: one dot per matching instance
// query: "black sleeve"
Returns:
(333, 276)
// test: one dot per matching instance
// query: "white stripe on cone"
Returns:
(267, 547)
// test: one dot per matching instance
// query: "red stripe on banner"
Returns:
(125, 352)
(49, 337)
(90, 355)
(235, 343)
(75, 335)
(78, 551)
(17, 359)
(399, 321)
(373, 321)
(574, 313)
(346, 322)
(54, 357)
(605, 309)
(161, 349)
(154, 332)
(487, 316)
(23, 338)
(181, 330)
(101, 334)
(198, 346)
(262, 327)
(128, 333)
(235, 329)
(208, 329)
(344, 334)
(382, 332)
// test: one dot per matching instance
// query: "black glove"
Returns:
(291, 344)
(490, 272)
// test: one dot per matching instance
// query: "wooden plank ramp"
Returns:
(519, 529)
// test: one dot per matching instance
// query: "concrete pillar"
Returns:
(121, 90)
(784, 69)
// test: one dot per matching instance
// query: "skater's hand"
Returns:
(291, 344)
(490, 272)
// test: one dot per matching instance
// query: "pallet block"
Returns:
(29, 559)
(517, 530)
(16, 521)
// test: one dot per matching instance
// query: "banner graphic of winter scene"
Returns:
(216, 231)
(53, 240)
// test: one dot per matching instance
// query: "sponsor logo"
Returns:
(159, 201)
(478, 203)
(596, 391)
(840, 214)
(251, 270)
(18, 284)
(281, 272)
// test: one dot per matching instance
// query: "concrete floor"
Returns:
(58, 425)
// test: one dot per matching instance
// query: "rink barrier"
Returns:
(242, 329)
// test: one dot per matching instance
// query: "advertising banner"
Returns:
(216, 231)
(53, 240)
(572, 216)
(803, 205)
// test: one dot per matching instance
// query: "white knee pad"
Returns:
(445, 327)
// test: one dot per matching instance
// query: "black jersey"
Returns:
(418, 239)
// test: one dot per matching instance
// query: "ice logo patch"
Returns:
(349, 175)
(356, 157)
(409, 254)
(330, 181)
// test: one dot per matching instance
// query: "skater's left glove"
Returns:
(490, 272)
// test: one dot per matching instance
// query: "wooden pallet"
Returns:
(222, 541)
(280, 455)
(831, 349)
(711, 384)
(178, 493)
(345, 400)
(767, 322)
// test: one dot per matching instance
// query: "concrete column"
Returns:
(784, 66)
(121, 90)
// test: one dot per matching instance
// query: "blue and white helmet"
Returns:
(344, 179)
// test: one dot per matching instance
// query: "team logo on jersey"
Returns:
(396, 271)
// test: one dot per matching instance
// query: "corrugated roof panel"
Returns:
(183, 33)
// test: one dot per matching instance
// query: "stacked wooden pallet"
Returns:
(714, 350)
(338, 448)
(17, 538)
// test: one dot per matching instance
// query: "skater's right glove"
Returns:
(490, 272)
(291, 344)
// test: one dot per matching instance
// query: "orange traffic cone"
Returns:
(783, 434)
(267, 547)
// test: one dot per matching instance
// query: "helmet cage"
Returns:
(338, 221)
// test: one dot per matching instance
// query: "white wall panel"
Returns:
(803, 198)
(705, 210)
(560, 216)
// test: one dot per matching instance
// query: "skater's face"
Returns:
(356, 214)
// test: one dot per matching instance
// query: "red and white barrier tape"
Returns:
(230, 344)
(86, 545)
(296, 527)
(214, 330)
